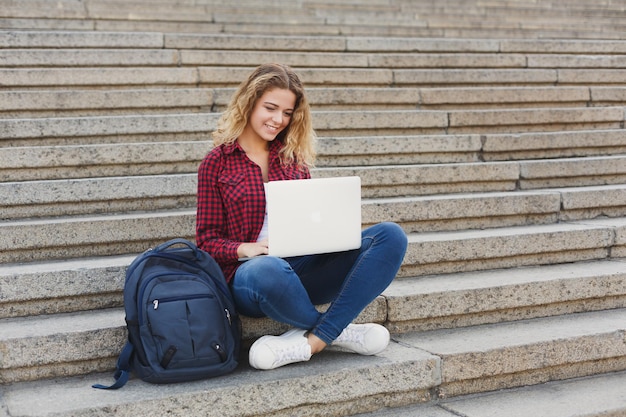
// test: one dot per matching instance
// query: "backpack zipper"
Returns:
(158, 301)
(146, 282)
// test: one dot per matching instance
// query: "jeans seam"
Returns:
(316, 331)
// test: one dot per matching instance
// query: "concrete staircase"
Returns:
(575, 19)
(492, 131)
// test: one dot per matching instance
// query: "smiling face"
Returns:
(271, 114)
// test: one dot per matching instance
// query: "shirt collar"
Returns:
(275, 146)
(231, 147)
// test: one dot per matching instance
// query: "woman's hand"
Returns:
(249, 250)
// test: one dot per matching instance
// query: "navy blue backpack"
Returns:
(180, 317)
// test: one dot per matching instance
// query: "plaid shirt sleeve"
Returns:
(211, 214)
(231, 201)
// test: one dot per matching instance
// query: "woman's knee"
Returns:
(391, 233)
(264, 275)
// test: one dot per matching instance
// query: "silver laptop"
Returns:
(319, 215)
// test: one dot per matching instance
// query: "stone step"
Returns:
(49, 162)
(198, 126)
(125, 10)
(448, 362)
(398, 150)
(401, 18)
(514, 120)
(11, 58)
(547, 145)
(112, 77)
(109, 232)
(82, 39)
(479, 250)
(487, 13)
(591, 202)
(437, 29)
(494, 77)
(513, 97)
(377, 181)
(215, 12)
(99, 335)
(390, 150)
(15, 58)
(110, 195)
(92, 280)
(407, 180)
(561, 173)
(57, 103)
(216, 41)
(328, 59)
(99, 196)
(542, 24)
(595, 396)
(69, 285)
(344, 43)
(107, 129)
(210, 76)
(398, 374)
(489, 210)
(100, 160)
(206, 73)
(72, 237)
(83, 284)
(46, 203)
(20, 104)
(472, 298)
(491, 357)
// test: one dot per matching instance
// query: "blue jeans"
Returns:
(287, 290)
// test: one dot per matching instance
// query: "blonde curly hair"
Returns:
(298, 137)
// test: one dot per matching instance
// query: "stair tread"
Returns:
(591, 396)
(47, 325)
(408, 298)
(490, 243)
(501, 336)
(537, 342)
(160, 57)
(414, 238)
(230, 395)
(84, 100)
(157, 186)
(521, 281)
(516, 230)
(600, 395)
(477, 280)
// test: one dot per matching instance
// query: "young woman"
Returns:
(264, 135)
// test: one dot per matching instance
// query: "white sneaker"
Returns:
(364, 339)
(271, 352)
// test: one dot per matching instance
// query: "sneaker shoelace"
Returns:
(293, 353)
(351, 335)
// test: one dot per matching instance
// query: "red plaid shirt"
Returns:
(231, 200)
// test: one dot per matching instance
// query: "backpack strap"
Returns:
(122, 372)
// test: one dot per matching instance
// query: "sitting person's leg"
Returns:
(352, 280)
(349, 280)
(268, 286)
